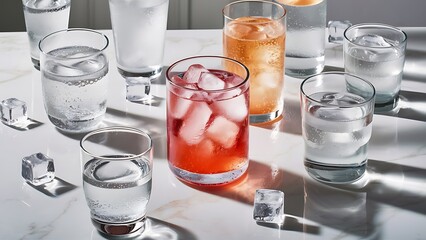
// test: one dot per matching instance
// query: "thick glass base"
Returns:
(209, 179)
(77, 126)
(335, 174)
(387, 106)
(138, 84)
(36, 63)
(120, 230)
(264, 118)
(302, 67)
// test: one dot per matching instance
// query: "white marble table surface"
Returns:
(388, 203)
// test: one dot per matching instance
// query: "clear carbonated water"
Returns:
(139, 28)
(42, 18)
(117, 191)
(382, 65)
(305, 41)
(336, 138)
(75, 91)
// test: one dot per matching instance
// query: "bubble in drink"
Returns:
(43, 17)
(68, 89)
(337, 136)
(305, 44)
(378, 60)
(258, 44)
(117, 191)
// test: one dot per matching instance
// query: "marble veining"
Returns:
(387, 203)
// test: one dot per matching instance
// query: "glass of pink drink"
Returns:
(207, 119)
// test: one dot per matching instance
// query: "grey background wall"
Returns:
(206, 14)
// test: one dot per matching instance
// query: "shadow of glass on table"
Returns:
(350, 208)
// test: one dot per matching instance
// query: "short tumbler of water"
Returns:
(376, 52)
(117, 179)
(337, 113)
(74, 70)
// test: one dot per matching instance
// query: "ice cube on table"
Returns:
(223, 131)
(336, 30)
(193, 74)
(194, 123)
(209, 81)
(13, 111)
(269, 206)
(138, 89)
(38, 169)
(372, 40)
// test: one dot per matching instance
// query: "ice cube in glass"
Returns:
(13, 111)
(269, 206)
(336, 30)
(38, 169)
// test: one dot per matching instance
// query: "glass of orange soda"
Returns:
(207, 120)
(254, 33)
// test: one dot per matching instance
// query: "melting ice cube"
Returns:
(193, 74)
(269, 206)
(209, 81)
(372, 40)
(234, 109)
(223, 131)
(13, 111)
(38, 169)
(195, 122)
(63, 70)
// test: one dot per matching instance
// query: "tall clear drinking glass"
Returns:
(139, 28)
(117, 179)
(337, 113)
(43, 17)
(305, 46)
(254, 34)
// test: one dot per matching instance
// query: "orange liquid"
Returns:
(299, 2)
(259, 44)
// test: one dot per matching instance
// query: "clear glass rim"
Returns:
(366, 101)
(116, 129)
(256, 1)
(245, 80)
(106, 43)
(378, 26)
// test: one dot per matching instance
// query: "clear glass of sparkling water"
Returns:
(43, 17)
(117, 179)
(305, 42)
(139, 28)
(376, 52)
(74, 70)
(337, 112)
